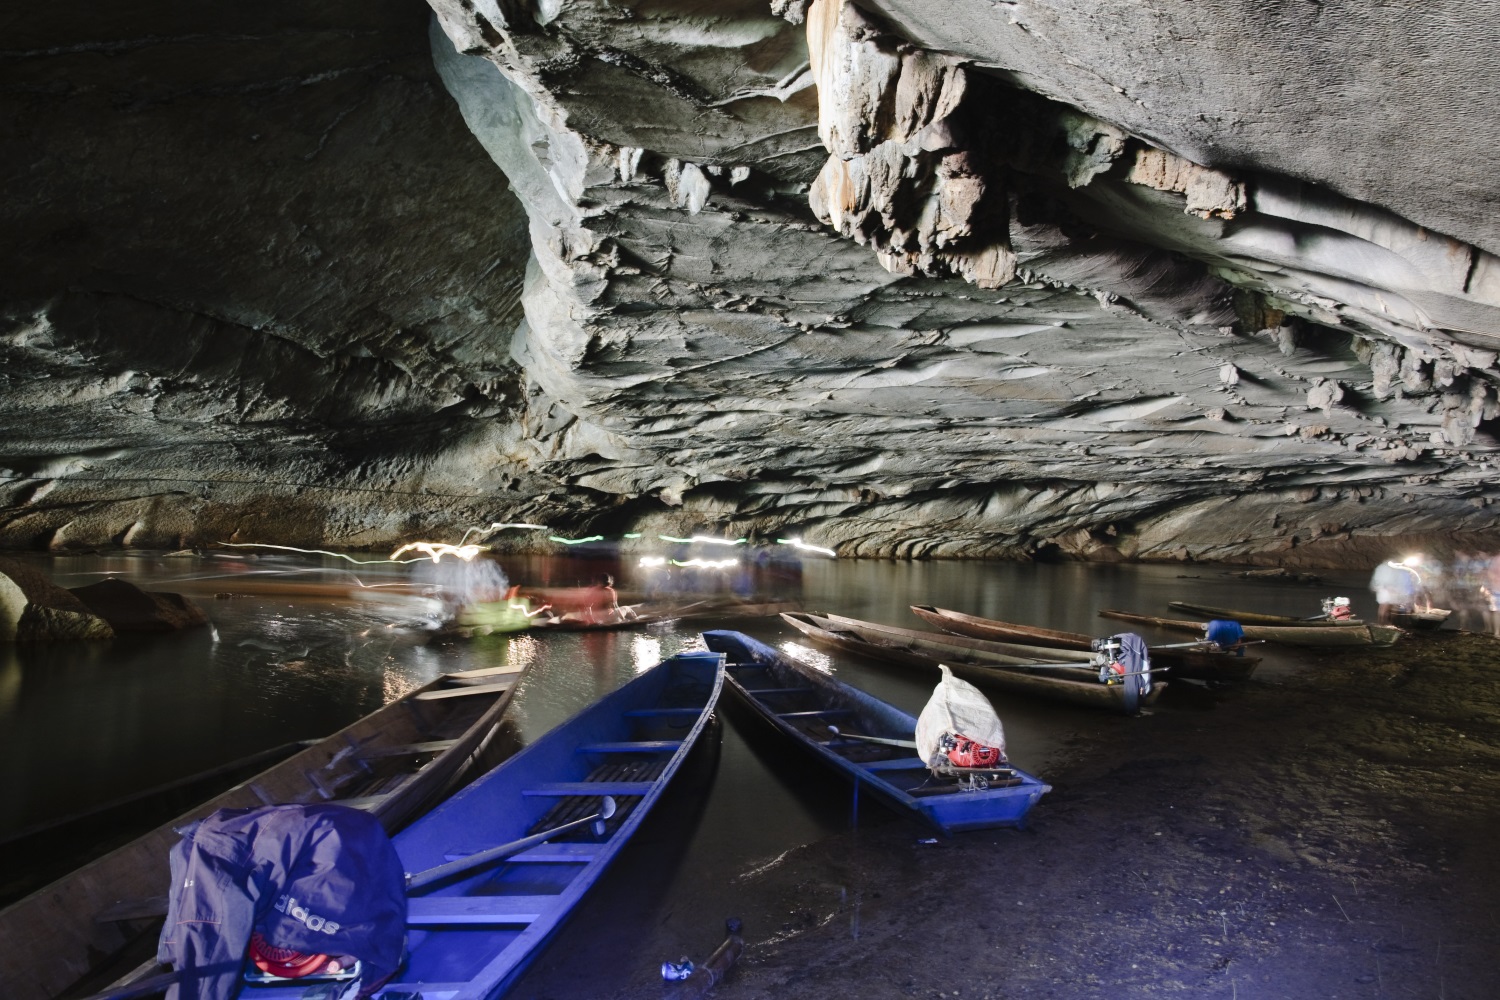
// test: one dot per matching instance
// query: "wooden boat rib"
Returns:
(1077, 685)
(1256, 618)
(393, 762)
(472, 934)
(800, 703)
(1359, 635)
(1195, 664)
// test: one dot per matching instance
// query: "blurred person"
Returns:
(1395, 585)
(511, 613)
(1489, 589)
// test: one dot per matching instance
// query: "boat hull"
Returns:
(778, 689)
(1257, 618)
(1192, 664)
(471, 936)
(1358, 635)
(416, 748)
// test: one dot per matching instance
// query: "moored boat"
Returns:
(801, 704)
(1287, 635)
(1059, 679)
(1195, 664)
(1420, 619)
(1257, 618)
(593, 779)
(394, 762)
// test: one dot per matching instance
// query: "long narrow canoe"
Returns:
(1077, 684)
(1297, 635)
(471, 934)
(1195, 664)
(1256, 618)
(393, 762)
(1420, 618)
(801, 703)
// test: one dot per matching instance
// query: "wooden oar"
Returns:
(417, 880)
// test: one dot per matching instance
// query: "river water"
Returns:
(285, 659)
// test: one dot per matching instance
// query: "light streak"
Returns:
(798, 543)
(645, 650)
(651, 562)
(632, 534)
(706, 563)
(703, 540)
(317, 552)
(574, 541)
(436, 550)
(498, 526)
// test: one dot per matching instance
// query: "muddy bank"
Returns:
(1331, 834)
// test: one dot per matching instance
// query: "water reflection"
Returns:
(298, 651)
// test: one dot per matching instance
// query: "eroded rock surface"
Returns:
(920, 279)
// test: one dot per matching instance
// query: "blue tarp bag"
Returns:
(318, 880)
(1226, 635)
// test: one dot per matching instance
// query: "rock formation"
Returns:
(948, 277)
(34, 609)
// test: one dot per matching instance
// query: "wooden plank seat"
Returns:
(467, 676)
(579, 853)
(463, 692)
(592, 788)
(633, 746)
(408, 749)
(894, 764)
(492, 910)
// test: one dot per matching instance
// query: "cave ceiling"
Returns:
(1209, 280)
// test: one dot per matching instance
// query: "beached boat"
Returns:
(801, 703)
(1421, 619)
(1195, 664)
(1287, 635)
(1256, 618)
(592, 780)
(393, 762)
(1060, 679)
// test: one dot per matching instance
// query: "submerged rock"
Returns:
(128, 608)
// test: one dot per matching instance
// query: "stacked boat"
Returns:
(1057, 674)
(1286, 630)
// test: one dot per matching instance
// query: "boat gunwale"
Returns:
(497, 975)
(926, 808)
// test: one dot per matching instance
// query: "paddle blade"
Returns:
(607, 808)
(599, 827)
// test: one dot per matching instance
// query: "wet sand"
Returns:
(1334, 833)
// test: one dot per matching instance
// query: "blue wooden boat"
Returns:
(595, 777)
(802, 703)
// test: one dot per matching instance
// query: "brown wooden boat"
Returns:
(1295, 635)
(1421, 619)
(1257, 618)
(81, 931)
(1195, 664)
(1071, 681)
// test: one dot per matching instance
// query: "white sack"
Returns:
(957, 707)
